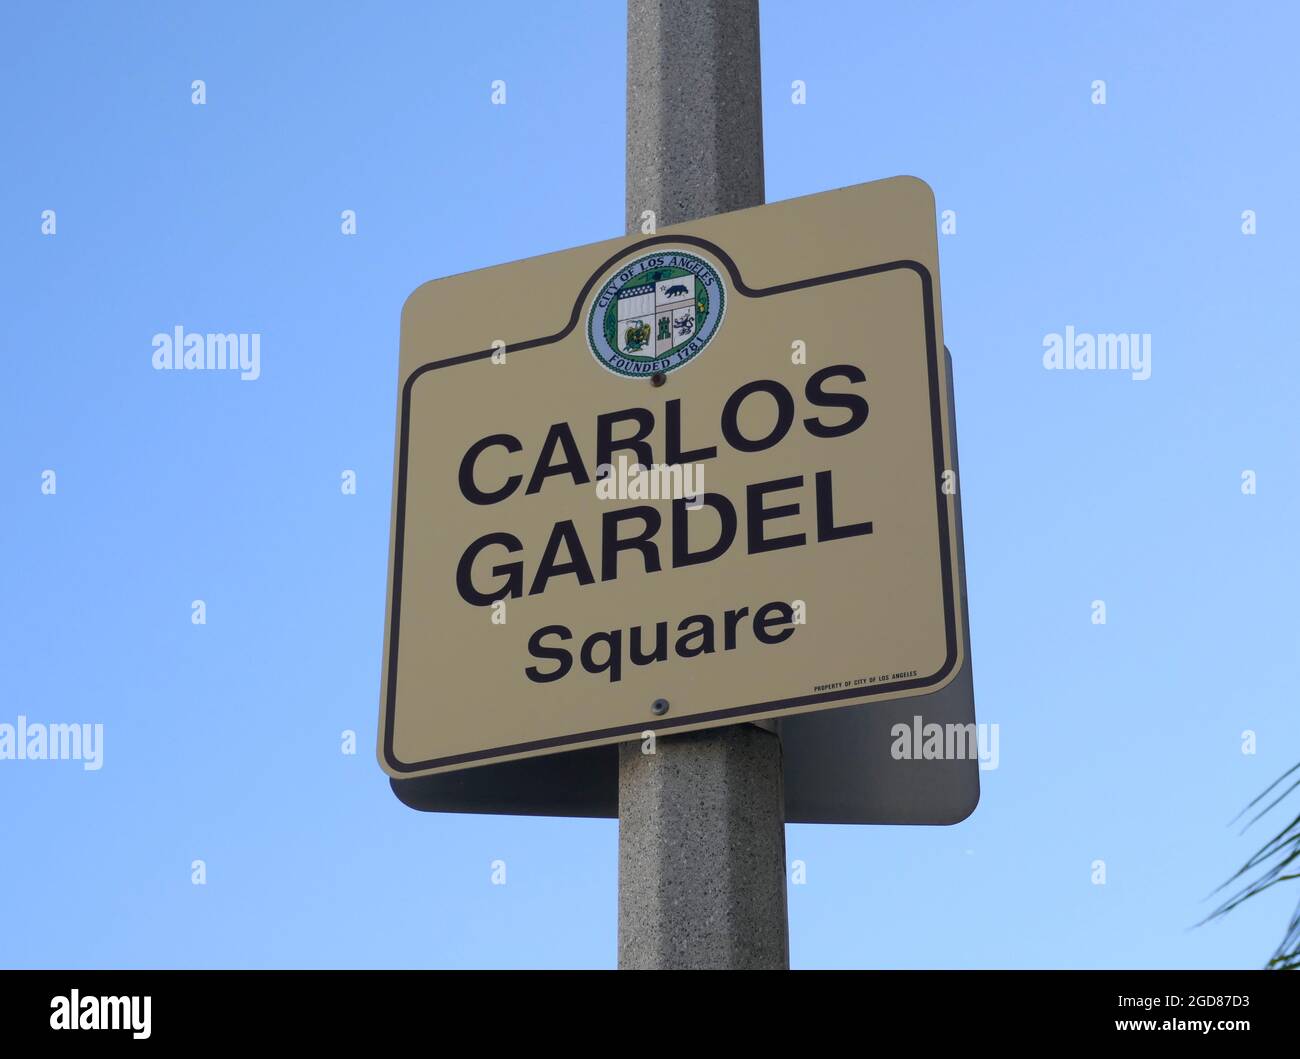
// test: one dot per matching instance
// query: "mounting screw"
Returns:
(659, 707)
(658, 379)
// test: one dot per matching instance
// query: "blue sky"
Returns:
(1119, 742)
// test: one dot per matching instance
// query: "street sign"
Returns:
(838, 766)
(671, 482)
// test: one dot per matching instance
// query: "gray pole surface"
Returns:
(701, 822)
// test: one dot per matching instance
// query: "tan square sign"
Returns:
(674, 481)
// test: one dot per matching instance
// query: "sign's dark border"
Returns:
(851, 696)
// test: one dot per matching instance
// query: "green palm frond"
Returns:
(1277, 861)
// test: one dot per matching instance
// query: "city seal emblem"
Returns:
(655, 313)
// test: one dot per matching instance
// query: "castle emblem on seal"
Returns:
(655, 313)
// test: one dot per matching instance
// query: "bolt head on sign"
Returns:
(710, 470)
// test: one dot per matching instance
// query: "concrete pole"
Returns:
(701, 822)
